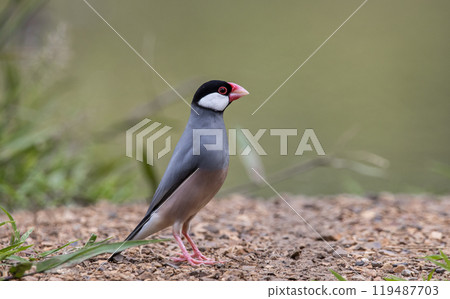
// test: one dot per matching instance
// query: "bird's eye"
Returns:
(222, 90)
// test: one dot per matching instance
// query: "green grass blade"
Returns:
(445, 258)
(26, 235)
(442, 265)
(91, 241)
(16, 234)
(86, 253)
(11, 252)
(5, 222)
(18, 270)
(337, 275)
(104, 241)
(435, 259)
(430, 275)
(47, 253)
(10, 247)
(17, 258)
(432, 257)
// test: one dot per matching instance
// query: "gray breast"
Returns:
(192, 195)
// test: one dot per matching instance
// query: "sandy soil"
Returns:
(360, 238)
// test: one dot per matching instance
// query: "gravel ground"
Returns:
(260, 239)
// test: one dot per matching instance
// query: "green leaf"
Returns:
(447, 261)
(16, 234)
(337, 275)
(11, 252)
(442, 265)
(104, 241)
(10, 247)
(435, 259)
(17, 258)
(430, 275)
(86, 253)
(91, 241)
(26, 235)
(394, 278)
(6, 222)
(46, 253)
(19, 270)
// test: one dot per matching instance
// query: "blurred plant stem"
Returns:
(42, 163)
(14, 16)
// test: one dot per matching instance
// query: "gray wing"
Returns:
(182, 164)
(180, 167)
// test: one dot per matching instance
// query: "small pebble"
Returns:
(387, 267)
(320, 255)
(377, 264)
(406, 272)
(295, 255)
(55, 279)
(340, 253)
(359, 263)
(388, 252)
(399, 269)
(436, 235)
(372, 245)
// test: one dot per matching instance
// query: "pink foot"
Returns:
(190, 259)
(199, 255)
(197, 258)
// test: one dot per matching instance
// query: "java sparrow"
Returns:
(196, 171)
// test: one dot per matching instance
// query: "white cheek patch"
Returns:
(214, 101)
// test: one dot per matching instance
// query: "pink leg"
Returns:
(197, 253)
(185, 254)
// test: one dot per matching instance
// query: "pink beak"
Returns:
(236, 92)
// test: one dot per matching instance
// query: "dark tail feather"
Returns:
(131, 236)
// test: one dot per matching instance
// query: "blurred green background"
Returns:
(376, 94)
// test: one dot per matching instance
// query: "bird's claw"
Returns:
(195, 259)
(200, 256)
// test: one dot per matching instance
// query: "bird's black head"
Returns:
(216, 95)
